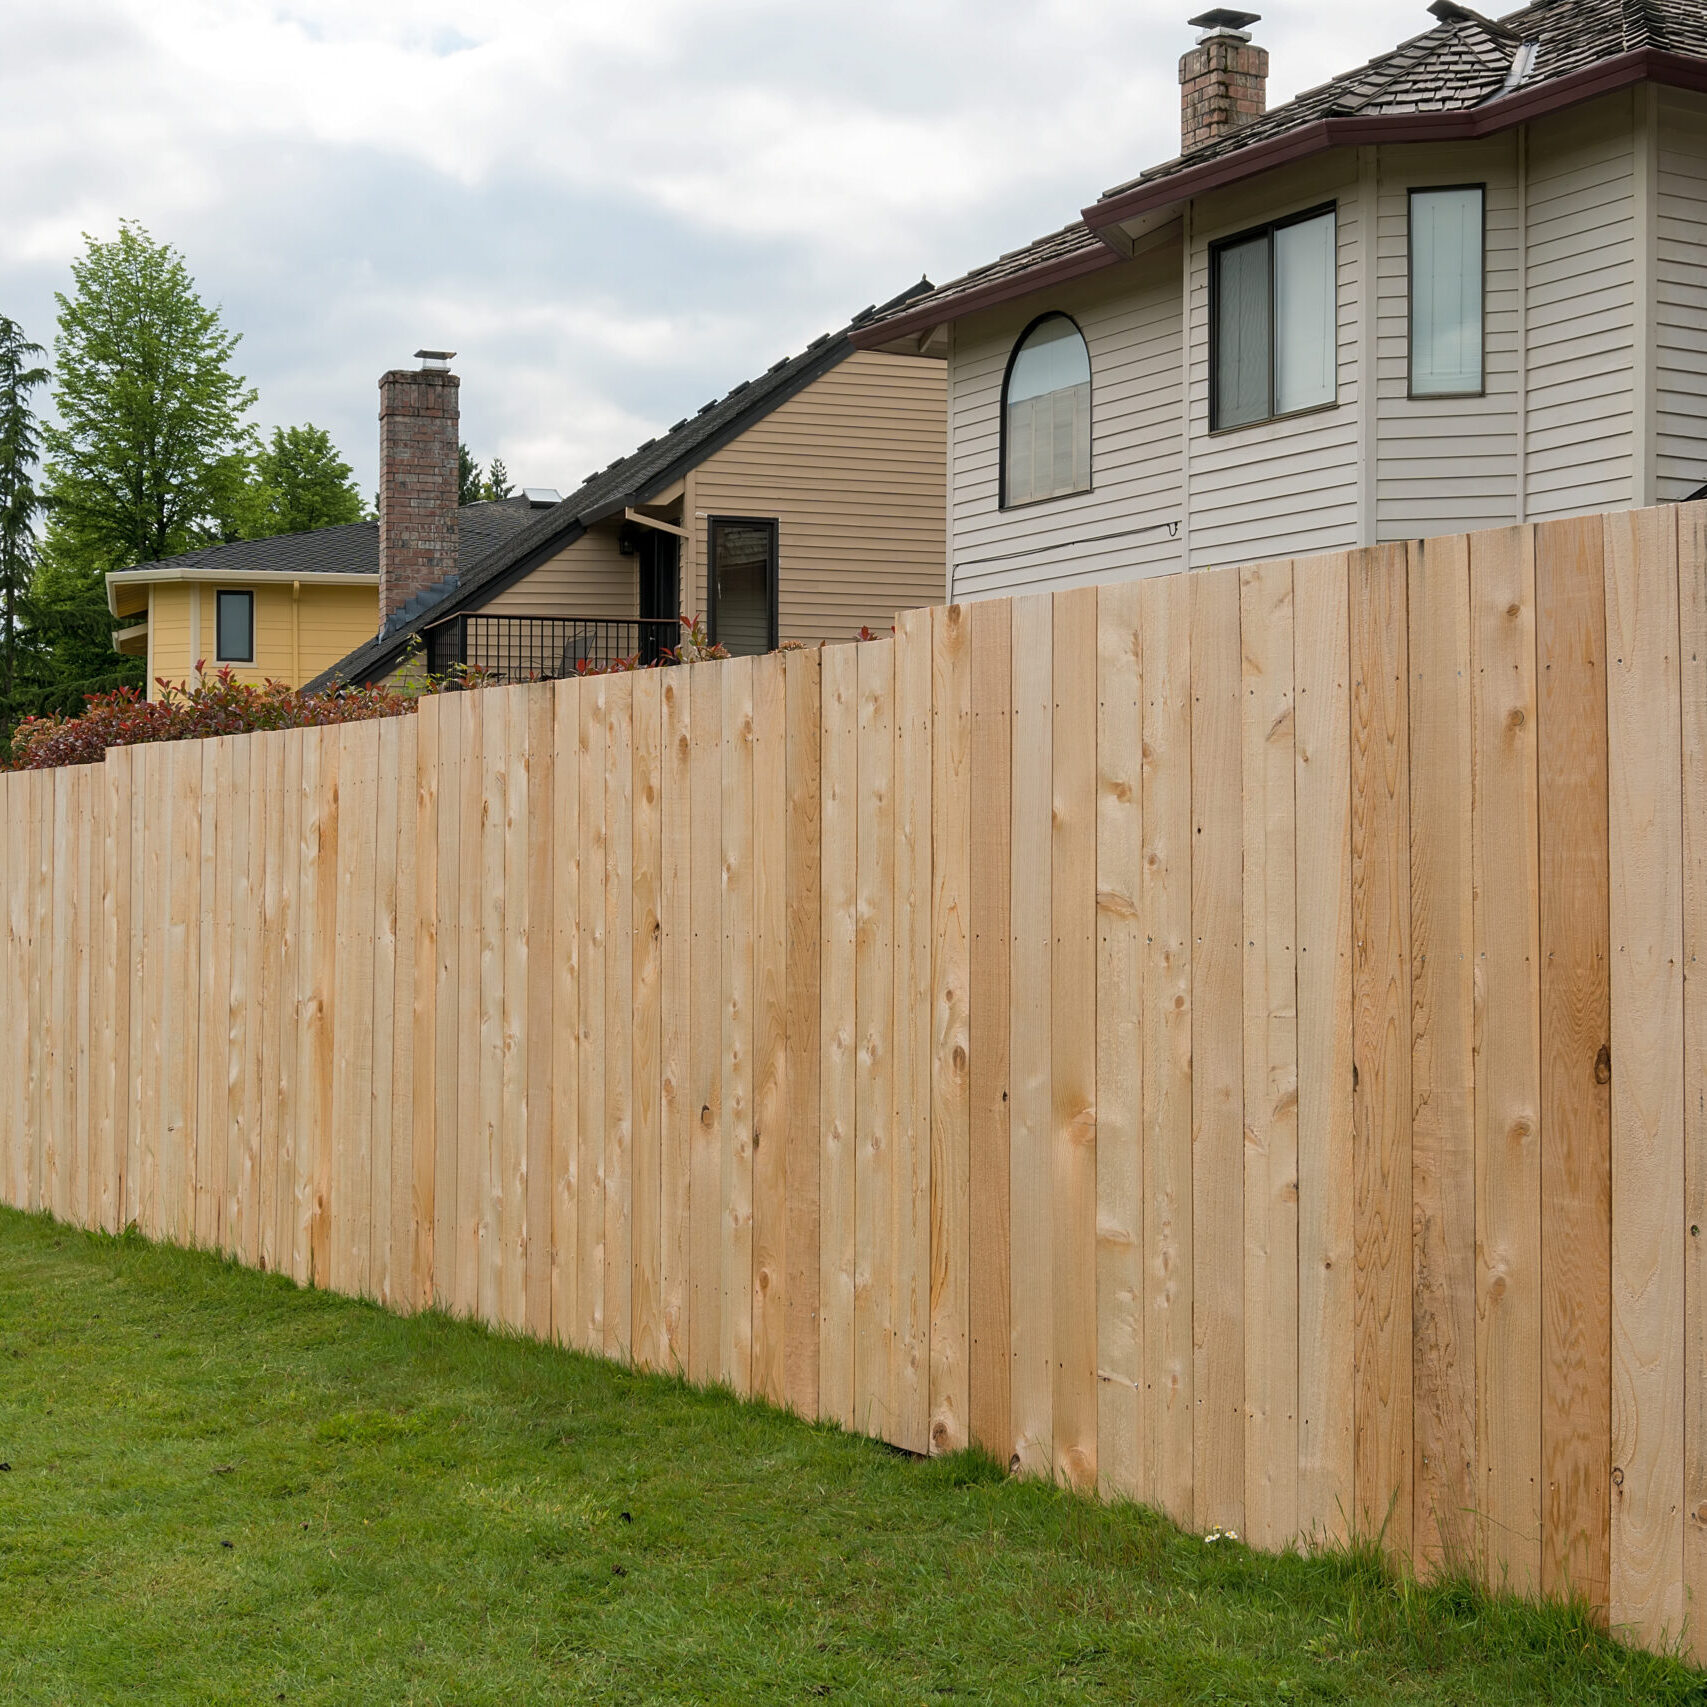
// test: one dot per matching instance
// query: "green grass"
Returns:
(223, 1489)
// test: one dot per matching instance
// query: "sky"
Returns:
(612, 212)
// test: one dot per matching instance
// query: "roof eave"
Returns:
(886, 334)
(1642, 65)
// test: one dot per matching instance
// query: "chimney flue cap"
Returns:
(1224, 22)
(435, 361)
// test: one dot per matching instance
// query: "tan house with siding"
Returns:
(1462, 286)
(801, 506)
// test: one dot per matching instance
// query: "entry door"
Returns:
(660, 589)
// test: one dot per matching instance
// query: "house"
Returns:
(1462, 286)
(806, 503)
(278, 609)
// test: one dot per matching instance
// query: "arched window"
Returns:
(1046, 414)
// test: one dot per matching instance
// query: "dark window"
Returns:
(1046, 414)
(1446, 269)
(743, 581)
(1273, 321)
(235, 628)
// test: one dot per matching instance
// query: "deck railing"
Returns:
(545, 648)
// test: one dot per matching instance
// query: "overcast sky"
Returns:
(612, 211)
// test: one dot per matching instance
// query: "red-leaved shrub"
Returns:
(220, 705)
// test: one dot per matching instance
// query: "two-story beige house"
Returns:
(1464, 285)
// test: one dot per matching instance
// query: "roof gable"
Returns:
(1468, 72)
(633, 479)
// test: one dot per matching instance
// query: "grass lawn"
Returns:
(222, 1489)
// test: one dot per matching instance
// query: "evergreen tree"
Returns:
(497, 483)
(467, 478)
(152, 451)
(300, 482)
(19, 500)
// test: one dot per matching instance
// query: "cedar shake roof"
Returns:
(630, 480)
(1461, 65)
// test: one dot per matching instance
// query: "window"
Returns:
(1272, 321)
(1046, 414)
(234, 626)
(1446, 292)
(743, 585)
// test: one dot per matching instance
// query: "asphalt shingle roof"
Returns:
(631, 479)
(1456, 65)
(350, 549)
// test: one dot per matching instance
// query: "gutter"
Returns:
(1676, 70)
(1006, 289)
(235, 578)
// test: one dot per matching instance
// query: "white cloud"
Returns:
(612, 212)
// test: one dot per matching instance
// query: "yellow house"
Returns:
(281, 609)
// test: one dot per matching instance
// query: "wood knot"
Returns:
(1603, 1065)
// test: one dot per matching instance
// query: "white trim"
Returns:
(633, 515)
(196, 633)
(136, 631)
(1645, 99)
(1368, 311)
(235, 578)
(1522, 164)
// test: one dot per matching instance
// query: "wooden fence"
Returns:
(1227, 1039)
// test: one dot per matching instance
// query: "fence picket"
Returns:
(1157, 1032)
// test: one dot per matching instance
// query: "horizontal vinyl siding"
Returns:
(1285, 488)
(1447, 465)
(853, 470)
(1580, 427)
(589, 578)
(1130, 319)
(1680, 292)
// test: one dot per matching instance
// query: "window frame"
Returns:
(1412, 191)
(220, 654)
(773, 525)
(1002, 500)
(1267, 231)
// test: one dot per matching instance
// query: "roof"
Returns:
(1466, 75)
(351, 548)
(632, 479)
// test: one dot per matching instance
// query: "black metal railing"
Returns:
(542, 648)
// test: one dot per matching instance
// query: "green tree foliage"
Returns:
(19, 447)
(152, 451)
(475, 487)
(299, 482)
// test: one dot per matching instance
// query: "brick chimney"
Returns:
(1223, 80)
(418, 479)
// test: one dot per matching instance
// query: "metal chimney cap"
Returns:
(435, 361)
(1224, 21)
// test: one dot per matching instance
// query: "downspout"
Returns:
(1522, 324)
(1643, 485)
(1368, 312)
(196, 633)
(296, 634)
